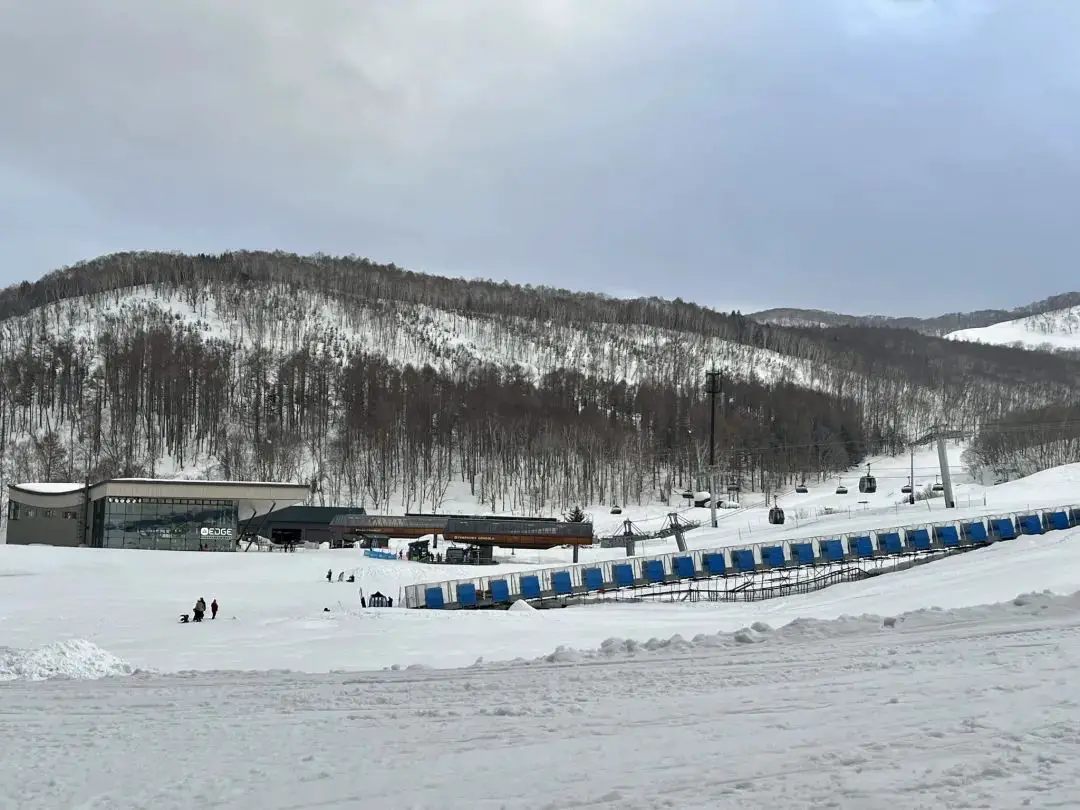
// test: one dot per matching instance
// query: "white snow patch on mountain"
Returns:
(1049, 331)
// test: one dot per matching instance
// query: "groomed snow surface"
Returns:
(946, 686)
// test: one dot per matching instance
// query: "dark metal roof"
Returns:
(317, 515)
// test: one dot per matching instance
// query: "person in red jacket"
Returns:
(213, 609)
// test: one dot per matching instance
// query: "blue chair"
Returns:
(594, 579)
(466, 594)
(530, 587)
(803, 553)
(500, 592)
(624, 575)
(714, 563)
(561, 583)
(433, 598)
(948, 536)
(684, 567)
(654, 571)
(832, 550)
(744, 560)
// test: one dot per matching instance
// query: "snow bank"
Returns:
(521, 606)
(1044, 603)
(76, 659)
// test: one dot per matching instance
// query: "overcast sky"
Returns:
(886, 156)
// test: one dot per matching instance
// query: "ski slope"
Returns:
(947, 685)
(1059, 329)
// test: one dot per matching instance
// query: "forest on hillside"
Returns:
(607, 407)
(366, 432)
(1026, 442)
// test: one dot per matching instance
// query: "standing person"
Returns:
(330, 575)
(213, 609)
(200, 609)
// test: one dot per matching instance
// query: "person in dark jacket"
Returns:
(200, 609)
(213, 609)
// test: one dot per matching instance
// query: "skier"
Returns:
(213, 609)
(330, 575)
(200, 609)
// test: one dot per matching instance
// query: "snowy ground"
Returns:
(971, 708)
(957, 705)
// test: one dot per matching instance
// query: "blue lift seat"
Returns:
(654, 571)
(561, 583)
(976, 532)
(684, 567)
(890, 543)
(947, 536)
(466, 594)
(832, 550)
(500, 591)
(714, 563)
(803, 553)
(624, 575)
(530, 587)
(1056, 521)
(743, 559)
(1003, 528)
(434, 599)
(1030, 524)
(861, 546)
(593, 578)
(773, 556)
(919, 539)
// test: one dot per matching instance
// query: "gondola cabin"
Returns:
(776, 516)
(868, 483)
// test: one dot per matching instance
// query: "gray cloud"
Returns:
(849, 154)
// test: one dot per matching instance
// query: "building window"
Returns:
(71, 515)
(185, 526)
(48, 513)
(13, 510)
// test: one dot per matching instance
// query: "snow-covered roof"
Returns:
(203, 482)
(48, 488)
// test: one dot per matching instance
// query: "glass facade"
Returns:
(168, 524)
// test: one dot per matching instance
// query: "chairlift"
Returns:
(906, 489)
(868, 483)
(802, 489)
(938, 487)
(616, 510)
(841, 489)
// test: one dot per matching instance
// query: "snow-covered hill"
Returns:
(284, 320)
(1049, 331)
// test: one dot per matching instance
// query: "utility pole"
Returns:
(714, 383)
(911, 497)
(938, 435)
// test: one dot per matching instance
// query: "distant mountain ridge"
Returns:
(937, 326)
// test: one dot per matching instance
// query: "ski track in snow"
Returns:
(961, 709)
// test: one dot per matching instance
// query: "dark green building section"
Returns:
(295, 525)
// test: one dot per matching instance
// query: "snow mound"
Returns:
(521, 606)
(811, 631)
(76, 659)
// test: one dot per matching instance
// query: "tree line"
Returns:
(142, 399)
